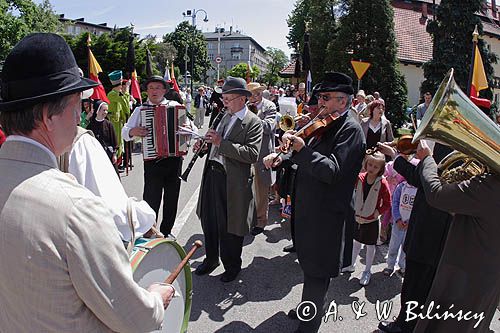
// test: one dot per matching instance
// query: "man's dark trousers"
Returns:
(214, 221)
(162, 175)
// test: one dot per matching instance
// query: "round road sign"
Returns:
(218, 60)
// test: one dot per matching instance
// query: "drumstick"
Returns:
(197, 244)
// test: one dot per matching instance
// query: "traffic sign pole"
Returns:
(218, 60)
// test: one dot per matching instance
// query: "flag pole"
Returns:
(88, 54)
(475, 35)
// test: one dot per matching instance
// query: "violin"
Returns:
(403, 144)
(314, 128)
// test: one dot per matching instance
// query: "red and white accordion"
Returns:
(163, 139)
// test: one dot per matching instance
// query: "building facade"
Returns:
(232, 48)
(415, 44)
(77, 26)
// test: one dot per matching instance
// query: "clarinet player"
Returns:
(233, 147)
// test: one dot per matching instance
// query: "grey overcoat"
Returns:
(240, 150)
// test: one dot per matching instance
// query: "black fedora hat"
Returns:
(40, 67)
(335, 81)
(155, 78)
(235, 85)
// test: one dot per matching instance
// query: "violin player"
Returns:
(327, 164)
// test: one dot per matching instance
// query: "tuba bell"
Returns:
(452, 119)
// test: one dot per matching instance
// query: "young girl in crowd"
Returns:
(402, 204)
(393, 179)
(372, 199)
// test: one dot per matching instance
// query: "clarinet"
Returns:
(216, 122)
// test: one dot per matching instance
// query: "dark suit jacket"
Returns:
(324, 185)
(173, 95)
(428, 226)
(217, 99)
(468, 275)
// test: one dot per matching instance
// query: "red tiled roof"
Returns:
(414, 43)
(289, 69)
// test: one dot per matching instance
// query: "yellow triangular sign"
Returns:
(360, 67)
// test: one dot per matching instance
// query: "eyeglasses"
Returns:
(326, 97)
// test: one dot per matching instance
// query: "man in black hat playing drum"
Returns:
(225, 205)
(327, 164)
(62, 245)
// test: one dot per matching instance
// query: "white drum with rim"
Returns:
(152, 261)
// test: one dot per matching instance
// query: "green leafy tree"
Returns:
(451, 33)
(19, 18)
(164, 53)
(110, 50)
(277, 63)
(240, 70)
(317, 17)
(186, 34)
(366, 33)
(322, 29)
(297, 23)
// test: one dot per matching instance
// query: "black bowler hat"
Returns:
(335, 81)
(235, 85)
(40, 67)
(155, 78)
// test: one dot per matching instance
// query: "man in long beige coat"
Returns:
(63, 265)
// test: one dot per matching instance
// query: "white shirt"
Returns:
(135, 118)
(375, 128)
(238, 115)
(91, 167)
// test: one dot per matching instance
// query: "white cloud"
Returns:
(159, 25)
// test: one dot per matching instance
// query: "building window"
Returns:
(236, 56)
(211, 56)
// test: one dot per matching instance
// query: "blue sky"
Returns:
(264, 20)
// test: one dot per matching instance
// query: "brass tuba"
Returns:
(452, 119)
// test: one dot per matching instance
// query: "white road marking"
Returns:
(186, 212)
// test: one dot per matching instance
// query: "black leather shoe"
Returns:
(292, 314)
(205, 268)
(289, 248)
(389, 327)
(229, 276)
(257, 230)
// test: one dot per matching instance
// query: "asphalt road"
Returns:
(270, 282)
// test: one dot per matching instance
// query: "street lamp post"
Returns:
(192, 14)
(218, 52)
(185, 66)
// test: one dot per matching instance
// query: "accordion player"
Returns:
(163, 138)
(157, 123)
